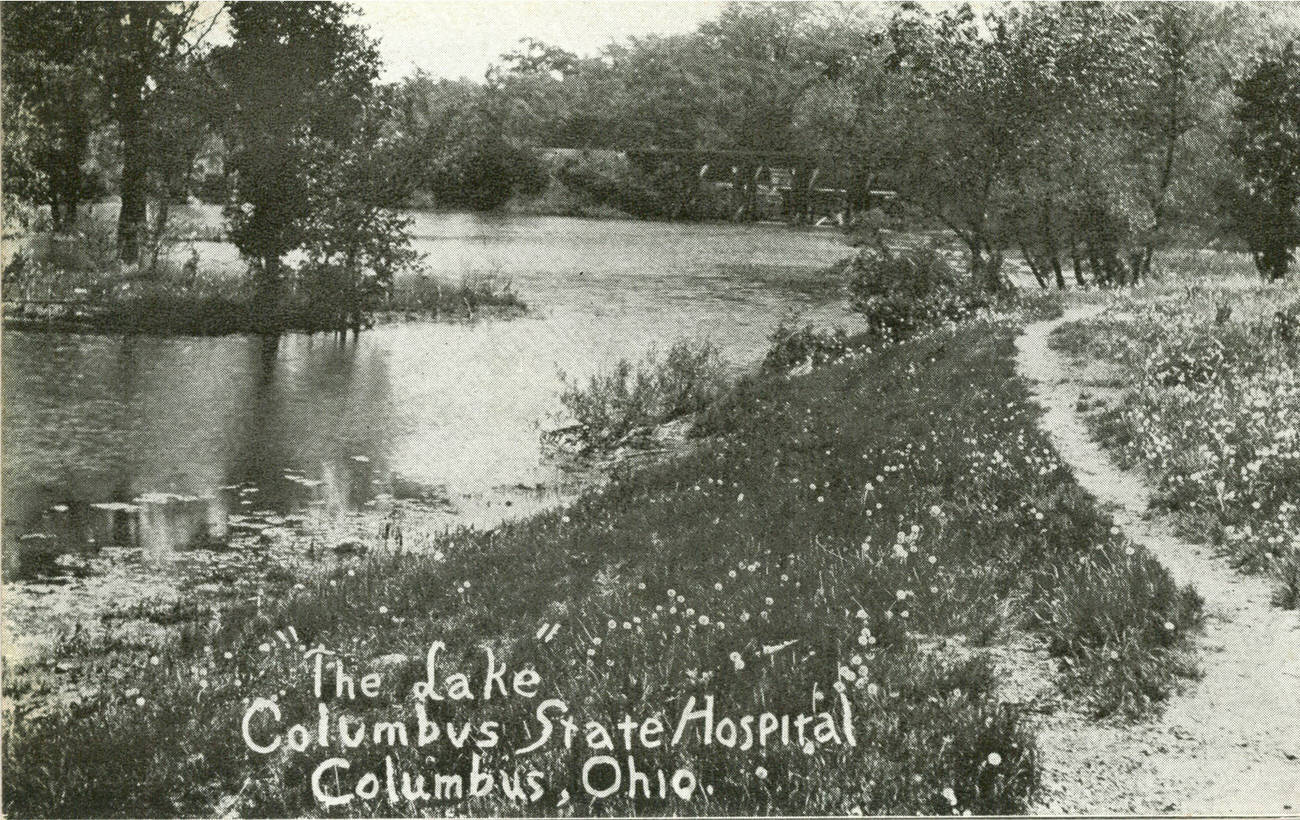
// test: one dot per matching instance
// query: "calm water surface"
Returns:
(166, 443)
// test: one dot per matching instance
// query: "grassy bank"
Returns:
(1208, 400)
(868, 531)
(77, 285)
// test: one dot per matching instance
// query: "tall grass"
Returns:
(1211, 407)
(76, 283)
(871, 529)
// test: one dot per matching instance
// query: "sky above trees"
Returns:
(461, 38)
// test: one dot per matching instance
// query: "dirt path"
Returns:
(1229, 744)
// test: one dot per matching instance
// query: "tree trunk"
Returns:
(129, 111)
(1033, 266)
(65, 192)
(270, 296)
(1077, 263)
(161, 214)
(1058, 272)
(131, 220)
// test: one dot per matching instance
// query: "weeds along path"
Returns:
(1230, 743)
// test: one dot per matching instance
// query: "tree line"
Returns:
(1083, 137)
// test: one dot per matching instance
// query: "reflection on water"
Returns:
(176, 443)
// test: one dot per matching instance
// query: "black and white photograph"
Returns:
(565, 408)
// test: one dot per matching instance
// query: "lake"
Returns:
(163, 445)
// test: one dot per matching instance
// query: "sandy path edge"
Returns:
(1230, 743)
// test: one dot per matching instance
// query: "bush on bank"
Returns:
(612, 404)
(903, 294)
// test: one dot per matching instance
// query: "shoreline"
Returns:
(377, 319)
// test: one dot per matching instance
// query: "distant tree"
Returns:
(1265, 210)
(855, 115)
(1181, 93)
(50, 57)
(354, 239)
(142, 48)
(183, 116)
(1071, 189)
(982, 87)
(297, 77)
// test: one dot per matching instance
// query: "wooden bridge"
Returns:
(806, 184)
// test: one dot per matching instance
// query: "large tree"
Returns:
(297, 77)
(51, 66)
(354, 239)
(143, 46)
(1266, 212)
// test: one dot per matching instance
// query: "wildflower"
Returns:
(949, 795)
(995, 759)
(704, 620)
(760, 773)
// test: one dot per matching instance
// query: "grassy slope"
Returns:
(868, 511)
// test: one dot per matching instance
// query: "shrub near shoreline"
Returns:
(1211, 404)
(870, 530)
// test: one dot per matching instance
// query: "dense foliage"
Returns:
(913, 291)
(1264, 208)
